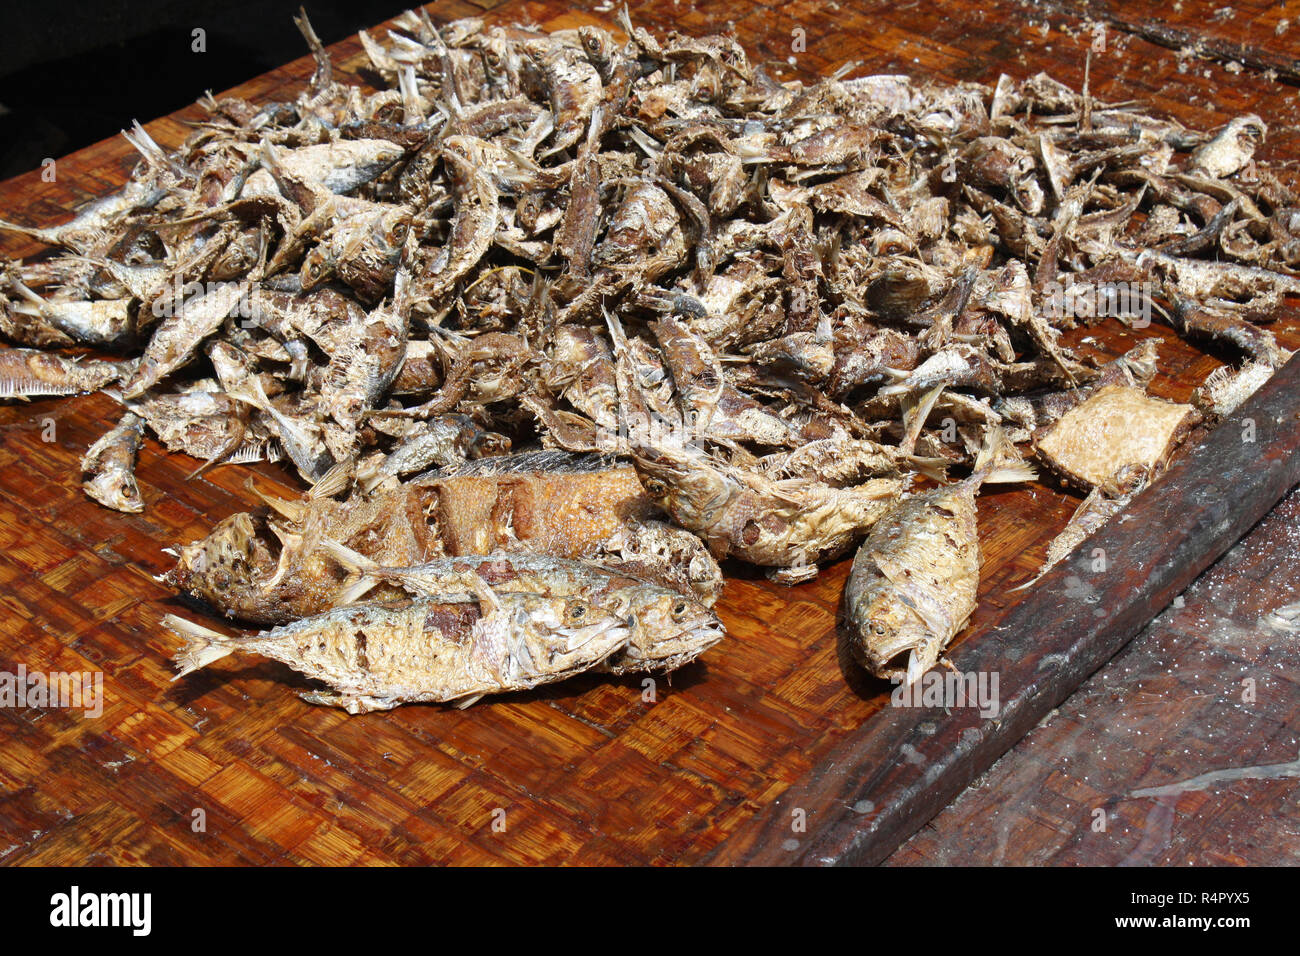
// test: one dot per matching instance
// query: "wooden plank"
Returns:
(878, 788)
(1210, 687)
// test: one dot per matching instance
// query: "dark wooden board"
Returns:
(1080, 614)
(588, 771)
(1182, 750)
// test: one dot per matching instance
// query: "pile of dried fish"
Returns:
(739, 317)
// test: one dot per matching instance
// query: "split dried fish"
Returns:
(1117, 427)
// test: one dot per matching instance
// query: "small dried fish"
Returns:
(110, 463)
(30, 373)
(914, 580)
(377, 656)
(667, 629)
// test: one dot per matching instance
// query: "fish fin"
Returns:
(936, 469)
(295, 511)
(333, 481)
(914, 668)
(250, 392)
(345, 556)
(358, 589)
(468, 701)
(355, 563)
(202, 645)
(352, 703)
(999, 460)
(916, 410)
(1031, 581)
(488, 601)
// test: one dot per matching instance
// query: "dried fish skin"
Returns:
(548, 501)
(1117, 426)
(177, 338)
(664, 554)
(572, 506)
(377, 656)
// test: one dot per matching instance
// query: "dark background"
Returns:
(73, 73)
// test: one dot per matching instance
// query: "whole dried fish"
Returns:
(377, 656)
(667, 629)
(914, 580)
(29, 373)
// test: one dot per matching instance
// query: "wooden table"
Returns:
(591, 771)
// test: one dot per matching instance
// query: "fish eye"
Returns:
(679, 610)
(878, 628)
(576, 611)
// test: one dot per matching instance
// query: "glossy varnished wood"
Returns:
(590, 771)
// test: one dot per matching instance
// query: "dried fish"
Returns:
(720, 315)
(667, 629)
(1118, 426)
(29, 373)
(914, 580)
(110, 463)
(377, 656)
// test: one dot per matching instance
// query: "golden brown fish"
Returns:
(376, 656)
(914, 580)
(271, 569)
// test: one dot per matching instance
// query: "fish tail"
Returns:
(202, 645)
(249, 391)
(999, 461)
(916, 410)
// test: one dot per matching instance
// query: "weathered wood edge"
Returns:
(873, 792)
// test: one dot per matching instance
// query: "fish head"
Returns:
(233, 559)
(896, 643)
(669, 630)
(317, 267)
(684, 484)
(555, 635)
(116, 489)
